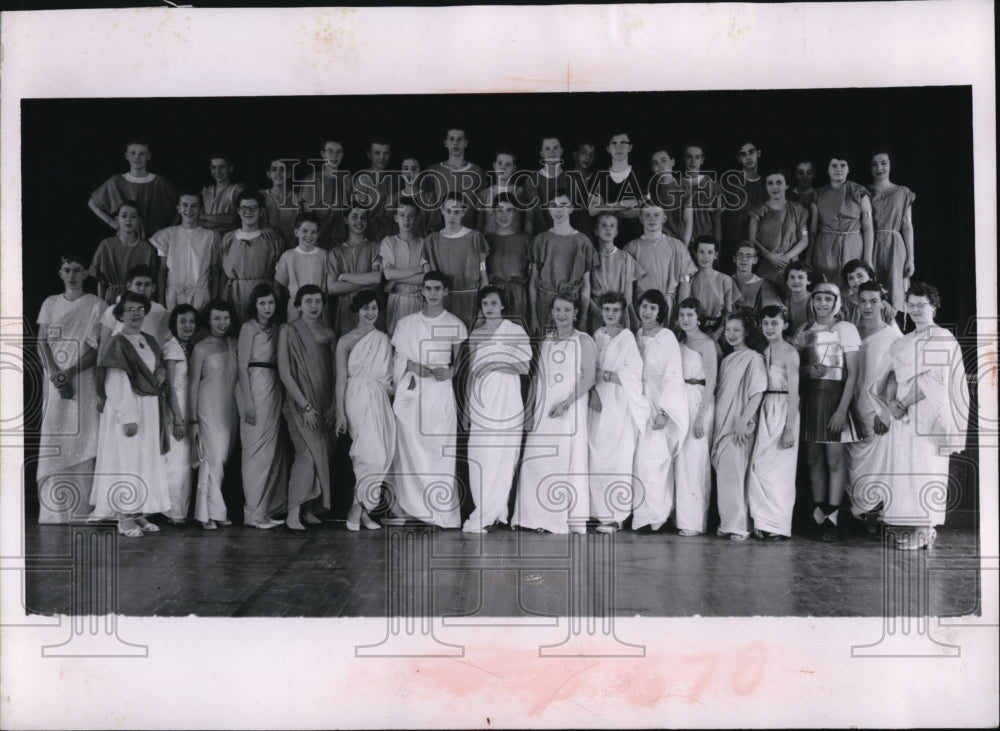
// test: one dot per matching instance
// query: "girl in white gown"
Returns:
(500, 354)
(364, 383)
(552, 491)
(618, 414)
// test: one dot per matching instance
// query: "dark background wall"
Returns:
(70, 146)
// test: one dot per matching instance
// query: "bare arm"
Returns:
(101, 214)
(688, 218)
(800, 246)
(340, 389)
(906, 230)
(867, 232)
(406, 275)
(839, 418)
(584, 303)
(330, 417)
(179, 426)
(533, 297)
(366, 279)
(161, 282)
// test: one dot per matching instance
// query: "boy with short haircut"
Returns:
(459, 252)
(614, 271)
(327, 193)
(351, 266)
(747, 190)
(507, 262)
(117, 255)
(305, 264)
(282, 203)
(545, 181)
(426, 346)
(668, 193)
(798, 280)
(867, 458)
(756, 292)
(621, 188)
(189, 258)
(249, 254)
(580, 179)
(219, 199)
(409, 184)
(455, 175)
(855, 273)
(403, 265)
(704, 194)
(141, 281)
(804, 193)
(717, 292)
(665, 261)
(518, 194)
(155, 196)
(373, 186)
(560, 262)
(157, 323)
(68, 325)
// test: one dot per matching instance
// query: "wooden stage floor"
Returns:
(243, 572)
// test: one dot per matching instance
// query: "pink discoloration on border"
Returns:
(597, 685)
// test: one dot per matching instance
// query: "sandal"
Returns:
(147, 526)
(266, 524)
(133, 531)
(687, 532)
(209, 525)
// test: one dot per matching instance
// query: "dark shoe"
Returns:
(295, 531)
(829, 532)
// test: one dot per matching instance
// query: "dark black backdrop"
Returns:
(70, 146)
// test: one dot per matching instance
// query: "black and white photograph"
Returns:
(586, 398)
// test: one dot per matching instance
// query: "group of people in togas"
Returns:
(617, 425)
(603, 291)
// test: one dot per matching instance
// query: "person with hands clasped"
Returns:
(306, 356)
(364, 383)
(693, 476)
(771, 482)
(67, 345)
(742, 383)
(868, 455)
(618, 415)
(426, 349)
(129, 473)
(667, 420)
(552, 490)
